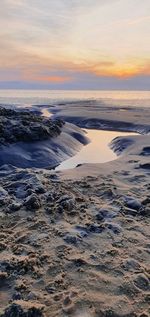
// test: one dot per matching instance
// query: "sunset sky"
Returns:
(75, 44)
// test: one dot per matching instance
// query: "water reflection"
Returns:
(46, 113)
(97, 151)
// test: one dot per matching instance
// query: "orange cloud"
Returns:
(37, 69)
(121, 70)
(35, 74)
(53, 79)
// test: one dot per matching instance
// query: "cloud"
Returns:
(53, 41)
(83, 82)
(14, 2)
(138, 20)
(46, 78)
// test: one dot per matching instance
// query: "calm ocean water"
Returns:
(53, 97)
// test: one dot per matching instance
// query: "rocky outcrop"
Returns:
(25, 126)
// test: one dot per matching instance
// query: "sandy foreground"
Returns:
(76, 243)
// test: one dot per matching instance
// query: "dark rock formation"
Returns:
(24, 126)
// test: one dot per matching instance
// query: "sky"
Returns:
(75, 44)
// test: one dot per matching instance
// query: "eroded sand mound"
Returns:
(30, 140)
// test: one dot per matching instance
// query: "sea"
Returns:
(55, 97)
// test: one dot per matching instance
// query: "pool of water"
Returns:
(46, 113)
(97, 151)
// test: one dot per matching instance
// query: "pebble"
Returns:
(131, 265)
(72, 239)
(142, 282)
(15, 206)
(115, 228)
(3, 196)
(105, 214)
(33, 202)
(16, 296)
(132, 203)
(67, 202)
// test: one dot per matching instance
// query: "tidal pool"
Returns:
(97, 151)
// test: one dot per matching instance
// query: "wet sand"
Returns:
(76, 243)
(105, 117)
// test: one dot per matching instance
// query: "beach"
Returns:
(76, 242)
(74, 158)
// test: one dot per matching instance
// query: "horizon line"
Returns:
(74, 89)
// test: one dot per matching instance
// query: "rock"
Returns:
(32, 296)
(60, 209)
(16, 296)
(3, 192)
(79, 262)
(3, 246)
(132, 203)
(99, 216)
(146, 211)
(142, 282)
(67, 301)
(106, 213)
(33, 202)
(2, 215)
(145, 166)
(15, 206)
(16, 309)
(146, 201)
(3, 278)
(145, 151)
(18, 265)
(130, 211)
(50, 289)
(93, 228)
(50, 197)
(113, 313)
(131, 265)
(40, 189)
(25, 126)
(72, 239)
(115, 228)
(66, 202)
(82, 231)
(3, 196)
